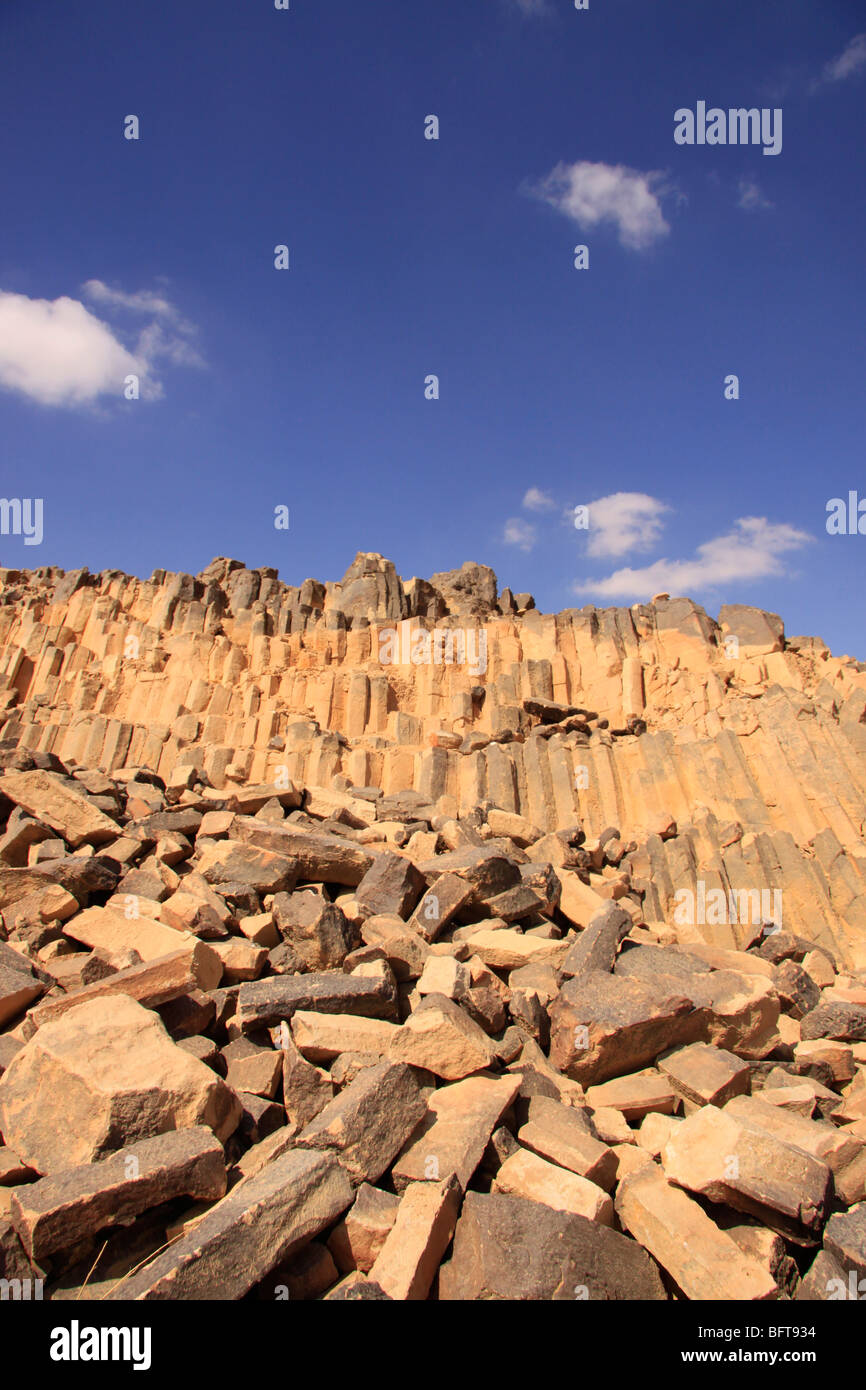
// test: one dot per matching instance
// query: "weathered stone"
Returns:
(635, 1096)
(834, 1019)
(407, 1263)
(60, 805)
(561, 1134)
(368, 1123)
(323, 1037)
(720, 1155)
(263, 1003)
(356, 1241)
(392, 884)
(596, 947)
(603, 1026)
(75, 1203)
(524, 1174)
(319, 857)
(454, 1131)
(443, 1039)
(444, 898)
(240, 1240)
(155, 982)
(704, 1262)
(318, 932)
(705, 1075)
(405, 950)
(509, 1248)
(121, 1078)
(224, 860)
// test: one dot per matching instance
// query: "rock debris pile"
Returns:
(300, 1042)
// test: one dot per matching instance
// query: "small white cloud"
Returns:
(520, 533)
(534, 500)
(750, 196)
(593, 193)
(851, 60)
(753, 549)
(624, 522)
(58, 353)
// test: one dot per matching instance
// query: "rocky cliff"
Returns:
(624, 718)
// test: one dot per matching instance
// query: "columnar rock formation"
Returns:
(331, 969)
(750, 741)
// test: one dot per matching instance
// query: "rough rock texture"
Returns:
(553, 927)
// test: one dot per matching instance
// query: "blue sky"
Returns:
(558, 387)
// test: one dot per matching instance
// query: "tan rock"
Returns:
(323, 1037)
(356, 1241)
(455, 1131)
(443, 1039)
(409, 1258)
(121, 1078)
(636, 1095)
(527, 1175)
(54, 802)
(703, 1260)
(720, 1155)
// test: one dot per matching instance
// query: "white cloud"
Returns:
(752, 549)
(534, 500)
(624, 522)
(750, 196)
(531, 6)
(520, 533)
(58, 353)
(593, 193)
(851, 60)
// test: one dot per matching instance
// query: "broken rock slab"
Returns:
(602, 1026)
(50, 799)
(511, 1248)
(454, 1131)
(410, 1256)
(704, 1262)
(717, 1154)
(368, 1123)
(121, 1079)
(441, 1038)
(258, 1225)
(75, 1204)
(264, 1003)
(356, 1241)
(524, 1174)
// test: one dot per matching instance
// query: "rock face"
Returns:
(383, 941)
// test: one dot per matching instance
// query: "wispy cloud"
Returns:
(851, 60)
(591, 194)
(750, 196)
(520, 533)
(530, 7)
(753, 549)
(534, 500)
(58, 353)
